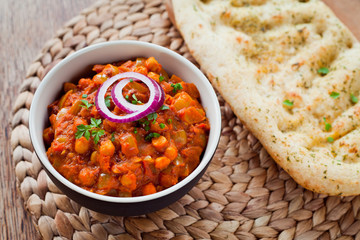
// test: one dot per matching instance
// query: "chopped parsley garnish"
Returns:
(353, 98)
(323, 71)
(83, 130)
(135, 101)
(169, 120)
(92, 129)
(162, 126)
(164, 107)
(334, 95)
(176, 87)
(161, 78)
(135, 130)
(152, 116)
(330, 139)
(327, 125)
(151, 136)
(112, 137)
(85, 104)
(107, 101)
(95, 123)
(97, 134)
(84, 96)
(288, 103)
(145, 123)
(131, 80)
(127, 98)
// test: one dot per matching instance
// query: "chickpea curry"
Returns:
(131, 158)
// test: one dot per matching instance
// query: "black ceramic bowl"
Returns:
(70, 69)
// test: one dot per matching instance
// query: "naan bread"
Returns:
(264, 55)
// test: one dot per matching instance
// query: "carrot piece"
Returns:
(175, 79)
(110, 70)
(192, 90)
(98, 68)
(154, 76)
(141, 69)
(149, 189)
(104, 162)
(84, 82)
(152, 65)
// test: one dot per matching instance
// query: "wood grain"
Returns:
(26, 25)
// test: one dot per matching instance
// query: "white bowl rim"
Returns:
(212, 143)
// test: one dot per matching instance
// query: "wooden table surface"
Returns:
(25, 27)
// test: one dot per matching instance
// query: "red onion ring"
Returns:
(135, 112)
(128, 107)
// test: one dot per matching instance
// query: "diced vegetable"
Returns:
(48, 135)
(82, 145)
(110, 70)
(129, 145)
(141, 70)
(160, 143)
(182, 100)
(64, 98)
(129, 181)
(168, 180)
(69, 86)
(87, 176)
(104, 163)
(107, 148)
(162, 162)
(149, 189)
(171, 152)
(93, 157)
(180, 138)
(75, 108)
(152, 64)
(192, 115)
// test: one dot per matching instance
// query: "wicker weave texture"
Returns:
(243, 195)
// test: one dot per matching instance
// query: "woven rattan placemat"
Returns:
(243, 194)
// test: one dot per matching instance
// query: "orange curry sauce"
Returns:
(127, 159)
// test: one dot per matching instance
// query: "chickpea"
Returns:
(160, 143)
(107, 148)
(162, 162)
(171, 152)
(82, 145)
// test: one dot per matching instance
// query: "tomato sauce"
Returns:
(127, 159)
